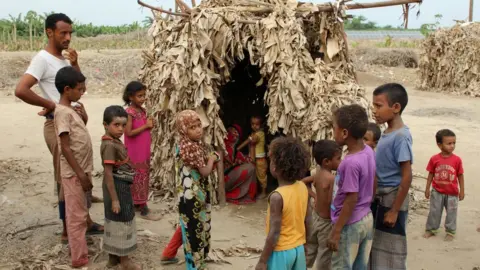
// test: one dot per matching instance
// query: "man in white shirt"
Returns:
(42, 70)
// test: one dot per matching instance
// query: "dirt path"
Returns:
(26, 193)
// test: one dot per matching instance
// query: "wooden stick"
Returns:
(29, 228)
(322, 8)
(194, 4)
(221, 178)
(140, 2)
(183, 6)
(470, 12)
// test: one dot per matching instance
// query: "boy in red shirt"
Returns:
(445, 176)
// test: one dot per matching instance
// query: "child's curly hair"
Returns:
(290, 158)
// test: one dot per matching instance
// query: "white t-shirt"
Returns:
(44, 67)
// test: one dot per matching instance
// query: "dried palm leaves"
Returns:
(191, 58)
(451, 60)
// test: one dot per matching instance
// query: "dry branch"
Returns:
(323, 8)
(140, 2)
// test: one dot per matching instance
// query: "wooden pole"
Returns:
(406, 12)
(222, 200)
(370, 5)
(470, 12)
(30, 33)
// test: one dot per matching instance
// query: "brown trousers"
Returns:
(51, 140)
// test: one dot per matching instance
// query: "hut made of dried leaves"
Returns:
(450, 60)
(299, 51)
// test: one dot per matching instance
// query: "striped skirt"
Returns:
(120, 236)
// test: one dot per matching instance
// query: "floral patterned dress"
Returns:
(194, 205)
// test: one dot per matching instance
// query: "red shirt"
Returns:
(445, 173)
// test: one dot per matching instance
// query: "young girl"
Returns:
(288, 211)
(193, 165)
(120, 237)
(137, 141)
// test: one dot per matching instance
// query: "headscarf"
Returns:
(193, 153)
(231, 142)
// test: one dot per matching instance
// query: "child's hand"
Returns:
(80, 109)
(116, 207)
(85, 182)
(333, 240)
(390, 218)
(150, 123)
(261, 266)
(461, 195)
(427, 193)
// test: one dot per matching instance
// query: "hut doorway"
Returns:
(243, 97)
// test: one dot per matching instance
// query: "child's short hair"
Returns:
(290, 157)
(443, 133)
(257, 116)
(325, 149)
(131, 89)
(113, 111)
(377, 133)
(395, 93)
(352, 118)
(68, 76)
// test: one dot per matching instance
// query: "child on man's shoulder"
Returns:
(288, 213)
(327, 155)
(445, 175)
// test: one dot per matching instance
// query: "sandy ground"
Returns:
(26, 190)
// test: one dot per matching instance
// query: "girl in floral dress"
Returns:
(137, 141)
(193, 165)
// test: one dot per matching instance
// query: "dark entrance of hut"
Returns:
(243, 97)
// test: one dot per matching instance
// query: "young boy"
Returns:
(327, 155)
(257, 152)
(76, 160)
(393, 176)
(120, 238)
(445, 174)
(372, 136)
(288, 209)
(351, 235)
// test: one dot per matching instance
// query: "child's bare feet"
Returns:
(127, 264)
(262, 196)
(449, 238)
(478, 229)
(428, 234)
(113, 260)
(145, 213)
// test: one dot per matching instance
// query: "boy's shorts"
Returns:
(292, 259)
(317, 238)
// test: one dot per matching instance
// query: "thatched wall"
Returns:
(191, 58)
(450, 60)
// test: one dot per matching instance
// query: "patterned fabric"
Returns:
(389, 248)
(139, 153)
(120, 237)
(240, 178)
(192, 153)
(261, 165)
(194, 206)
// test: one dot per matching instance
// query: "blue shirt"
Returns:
(392, 149)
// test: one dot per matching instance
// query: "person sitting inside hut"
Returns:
(257, 152)
(240, 178)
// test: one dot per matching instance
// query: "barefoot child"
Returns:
(194, 164)
(288, 211)
(351, 235)
(76, 160)
(137, 141)
(372, 136)
(394, 175)
(120, 237)
(257, 152)
(445, 174)
(327, 155)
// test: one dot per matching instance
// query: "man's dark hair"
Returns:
(395, 93)
(290, 157)
(352, 118)
(325, 149)
(68, 76)
(375, 130)
(113, 111)
(443, 133)
(52, 19)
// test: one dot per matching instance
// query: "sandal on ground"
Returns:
(145, 213)
(95, 229)
(168, 261)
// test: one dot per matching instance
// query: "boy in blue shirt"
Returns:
(394, 159)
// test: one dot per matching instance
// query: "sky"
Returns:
(118, 12)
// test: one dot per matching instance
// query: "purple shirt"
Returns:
(354, 175)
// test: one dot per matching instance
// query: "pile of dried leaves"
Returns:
(301, 53)
(450, 60)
